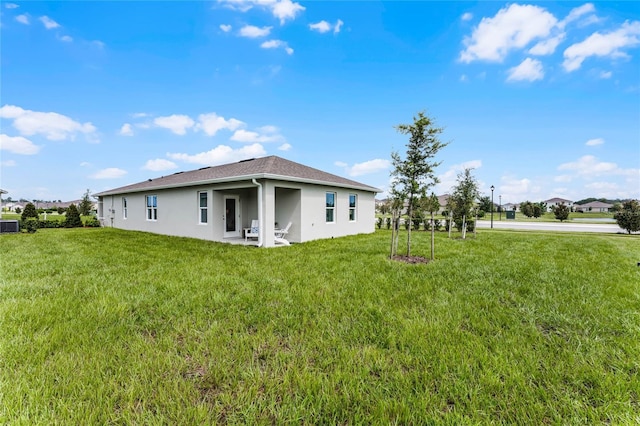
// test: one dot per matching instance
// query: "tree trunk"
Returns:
(475, 226)
(450, 220)
(396, 224)
(409, 214)
(393, 232)
(433, 241)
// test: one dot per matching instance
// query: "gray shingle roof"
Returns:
(272, 167)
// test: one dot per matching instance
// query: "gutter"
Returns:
(260, 221)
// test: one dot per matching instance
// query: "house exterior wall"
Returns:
(304, 205)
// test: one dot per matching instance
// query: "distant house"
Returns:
(594, 206)
(219, 203)
(553, 202)
(510, 207)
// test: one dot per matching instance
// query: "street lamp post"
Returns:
(500, 208)
(492, 188)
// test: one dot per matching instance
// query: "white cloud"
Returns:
(252, 31)
(449, 178)
(49, 23)
(109, 173)
(563, 178)
(513, 27)
(369, 167)
(225, 28)
(607, 45)
(140, 114)
(11, 6)
(515, 190)
(23, 19)
(159, 165)
(285, 147)
(18, 145)
(126, 130)
(246, 136)
(324, 26)
(8, 163)
(52, 125)
(467, 16)
(211, 123)
(220, 155)
(281, 9)
(605, 75)
(274, 44)
(589, 166)
(594, 142)
(85, 164)
(548, 46)
(286, 9)
(321, 27)
(66, 38)
(177, 123)
(528, 70)
(576, 13)
(364, 168)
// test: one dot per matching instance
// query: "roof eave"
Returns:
(241, 178)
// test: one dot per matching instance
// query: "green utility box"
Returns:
(511, 214)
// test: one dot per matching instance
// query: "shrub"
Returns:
(29, 211)
(628, 218)
(416, 224)
(49, 224)
(481, 213)
(93, 222)
(407, 224)
(388, 223)
(73, 218)
(61, 210)
(31, 225)
(427, 225)
(471, 225)
(437, 224)
(379, 222)
(18, 210)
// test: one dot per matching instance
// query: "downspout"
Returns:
(260, 221)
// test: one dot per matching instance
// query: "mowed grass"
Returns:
(101, 326)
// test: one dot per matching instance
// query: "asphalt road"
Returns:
(551, 226)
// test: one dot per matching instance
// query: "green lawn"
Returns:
(101, 326)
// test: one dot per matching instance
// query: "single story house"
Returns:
(553, 202)
(220, 203)
(511, 207)
(594, 206)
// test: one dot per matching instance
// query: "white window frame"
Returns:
(353, 208)
(151, 210)
(202, 209)
(125, 211)
(332, 208)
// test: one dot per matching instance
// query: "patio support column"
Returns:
(260, 213)
(268, 213)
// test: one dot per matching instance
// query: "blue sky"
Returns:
(541, 99)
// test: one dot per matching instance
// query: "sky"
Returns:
(541, 99)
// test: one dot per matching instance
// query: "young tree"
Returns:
(432, 205)
(85, 206)
(537, 210)
(415, 174)
(527, 208)
(561, 212)
(29, 211)
(73, 217)
(628, 218)
(484, 204)
(464, 196)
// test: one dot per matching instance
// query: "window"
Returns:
(202, 197)
(352, 207)
(331, 206)
(152, 207)
(124, 208)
